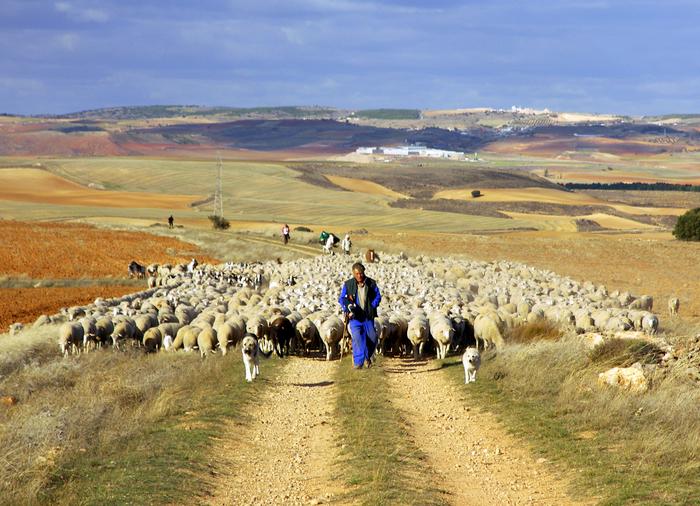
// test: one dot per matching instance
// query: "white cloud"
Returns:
(82, 12)
(68, 41)
(293, 35)
(21, 85)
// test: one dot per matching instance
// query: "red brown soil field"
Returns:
(27, 304)
(68, 251)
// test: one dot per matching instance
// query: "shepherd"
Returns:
(171, 221)
(285, 233)
(359, 299)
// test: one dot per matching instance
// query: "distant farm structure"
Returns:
(410, 150)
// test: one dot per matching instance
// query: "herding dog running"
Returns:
(251, 351)
(471, 361)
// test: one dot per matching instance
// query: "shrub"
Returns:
(302, 229)
(625, 352)
(543, 330)
(219, 222)
(476, 193)
(688, 226)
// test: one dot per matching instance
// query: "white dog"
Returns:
(251, 356)
(471, 361)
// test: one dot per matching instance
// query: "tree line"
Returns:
(658, 186)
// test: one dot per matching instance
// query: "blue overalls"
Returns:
(361, 325)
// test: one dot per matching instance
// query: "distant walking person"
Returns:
(347, 244)
(285, 233)
(359, 299)
(171, 221)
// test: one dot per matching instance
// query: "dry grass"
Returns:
(543, 330)
(110, 427)
(627, 449)
(625, 352)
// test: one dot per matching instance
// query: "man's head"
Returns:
(358, 272)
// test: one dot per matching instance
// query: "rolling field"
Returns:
(115, 427)
(252, 192)
(42, 187)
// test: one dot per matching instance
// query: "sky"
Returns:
(636, 57)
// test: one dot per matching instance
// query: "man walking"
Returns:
(359, 299)
(347, 243)
(285, 233)
(171, 220)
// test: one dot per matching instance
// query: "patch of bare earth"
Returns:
(476, 461)
(285, 453)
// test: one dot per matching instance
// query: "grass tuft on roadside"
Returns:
(116, 427)
(619, 447)
(543, 330)
(625, 352)
(379, 461)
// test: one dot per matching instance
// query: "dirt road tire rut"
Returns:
(477, 461)
(285, 453)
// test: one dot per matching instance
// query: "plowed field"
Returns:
(69, 251)
(27, 304)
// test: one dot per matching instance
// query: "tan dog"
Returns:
(471, 361)
(251, 356)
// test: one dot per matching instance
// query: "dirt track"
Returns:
(477, 461)
(285, 454)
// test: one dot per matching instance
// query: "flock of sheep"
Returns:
(427, 303)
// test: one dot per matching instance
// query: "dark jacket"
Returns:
(349, 295)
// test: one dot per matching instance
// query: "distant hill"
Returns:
(188, 111)
(321, 135)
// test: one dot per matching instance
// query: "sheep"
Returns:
(145, 322)
(189, 337)
(281, 334)
(645, 302)
(258, 326)
(489, 328)
(650, 323)
(224, 335)
(104, 328)
(307, 335)
(331, 333)
(89, 332)
(123, 330)
(398, 339)
(418, 333)
(152, 339)
(205, 341)
(673, 306)
(442, 332)
(70, 337)
(382, 329)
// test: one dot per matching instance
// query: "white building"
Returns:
(409, 150)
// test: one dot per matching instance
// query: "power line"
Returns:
(218, 195)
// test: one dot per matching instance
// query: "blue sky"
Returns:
(620, 56)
